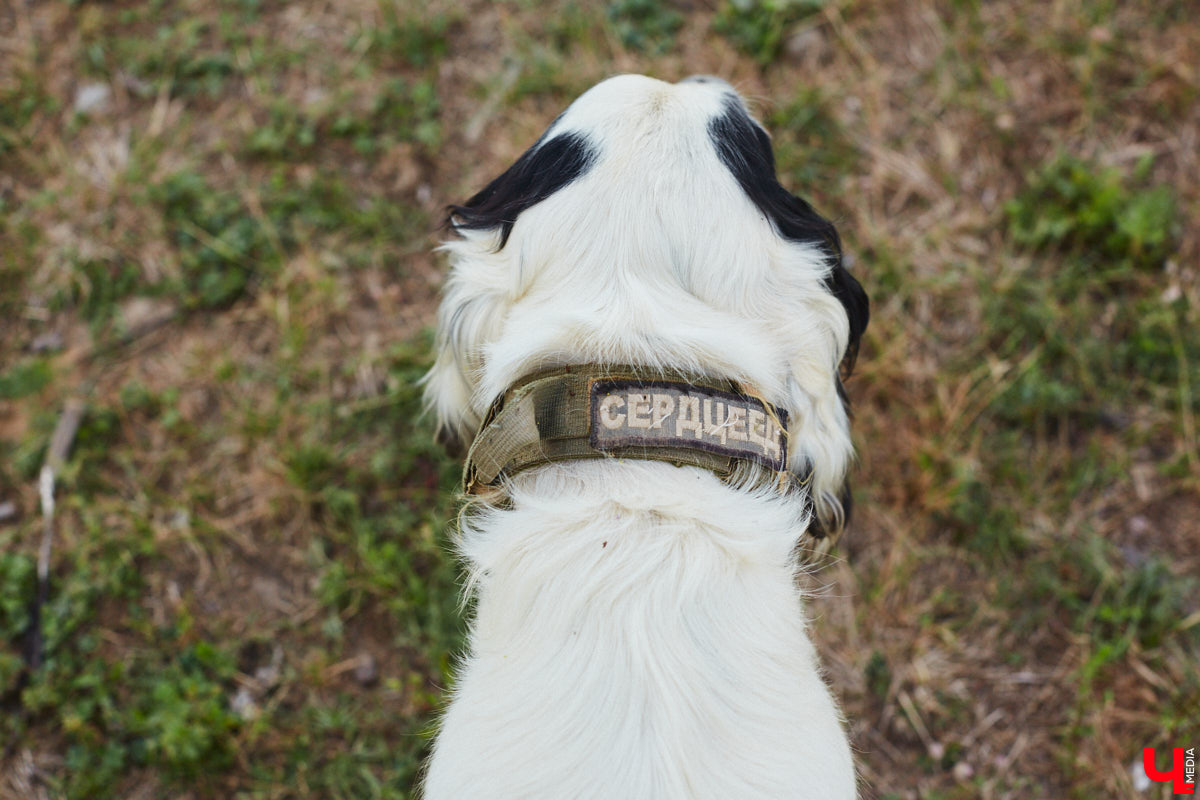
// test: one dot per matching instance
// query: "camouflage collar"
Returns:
(590, 411)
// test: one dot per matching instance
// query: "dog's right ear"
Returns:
(745, 149)
(822, 418)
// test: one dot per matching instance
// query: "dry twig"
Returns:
(56, 457)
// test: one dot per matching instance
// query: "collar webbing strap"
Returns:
(590, 411)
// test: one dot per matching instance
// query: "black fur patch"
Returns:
(450, 441)
(745, 149)
(540, 172)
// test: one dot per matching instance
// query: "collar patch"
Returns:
(653, 413)
(592, 411)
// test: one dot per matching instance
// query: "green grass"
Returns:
(813, 151)
(26, 378)
(159, 698)
(23, 100)
(644, 25)
(1086, 308)
(1091, 214)
(759, 28)
(401, 112)
(412, 38)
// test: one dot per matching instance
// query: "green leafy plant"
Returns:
(221, 246)
(1086, 320)
(812, 149)
(1117, 604)
(419, 40)
(22, 99)
(402, 111)
(1092, 214)
(225, 248)
(644, 25)
(16, 589)
(188, 58)
(26, 378)
(171, 714)
(97, 285)
(758, 27)
(287, 132)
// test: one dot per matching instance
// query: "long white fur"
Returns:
(638, 631)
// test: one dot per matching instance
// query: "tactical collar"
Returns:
(591, 411)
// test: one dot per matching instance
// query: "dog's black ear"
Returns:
(540, 172)
(830, 519)
(450, 441)
(853, 298)
(745, 150)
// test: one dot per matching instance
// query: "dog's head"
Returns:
(646, 226)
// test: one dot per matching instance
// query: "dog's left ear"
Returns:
(552, 163)
(480, 288)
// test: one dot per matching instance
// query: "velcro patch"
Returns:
(640, 413)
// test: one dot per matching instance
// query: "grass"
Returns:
(644, 26)
(758, 27)
(251, 592)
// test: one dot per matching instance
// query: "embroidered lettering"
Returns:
(757, 433)
(663, 407)
(689, 417)
(737, 423)
(771, 441)
(608, 406)
(715, 427)
(636, 413)
(639, 410)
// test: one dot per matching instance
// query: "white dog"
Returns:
(633, 537)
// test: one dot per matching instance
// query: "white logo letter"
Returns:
(611, 420)
(664, 406)
(639, 410)
(689, 417)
